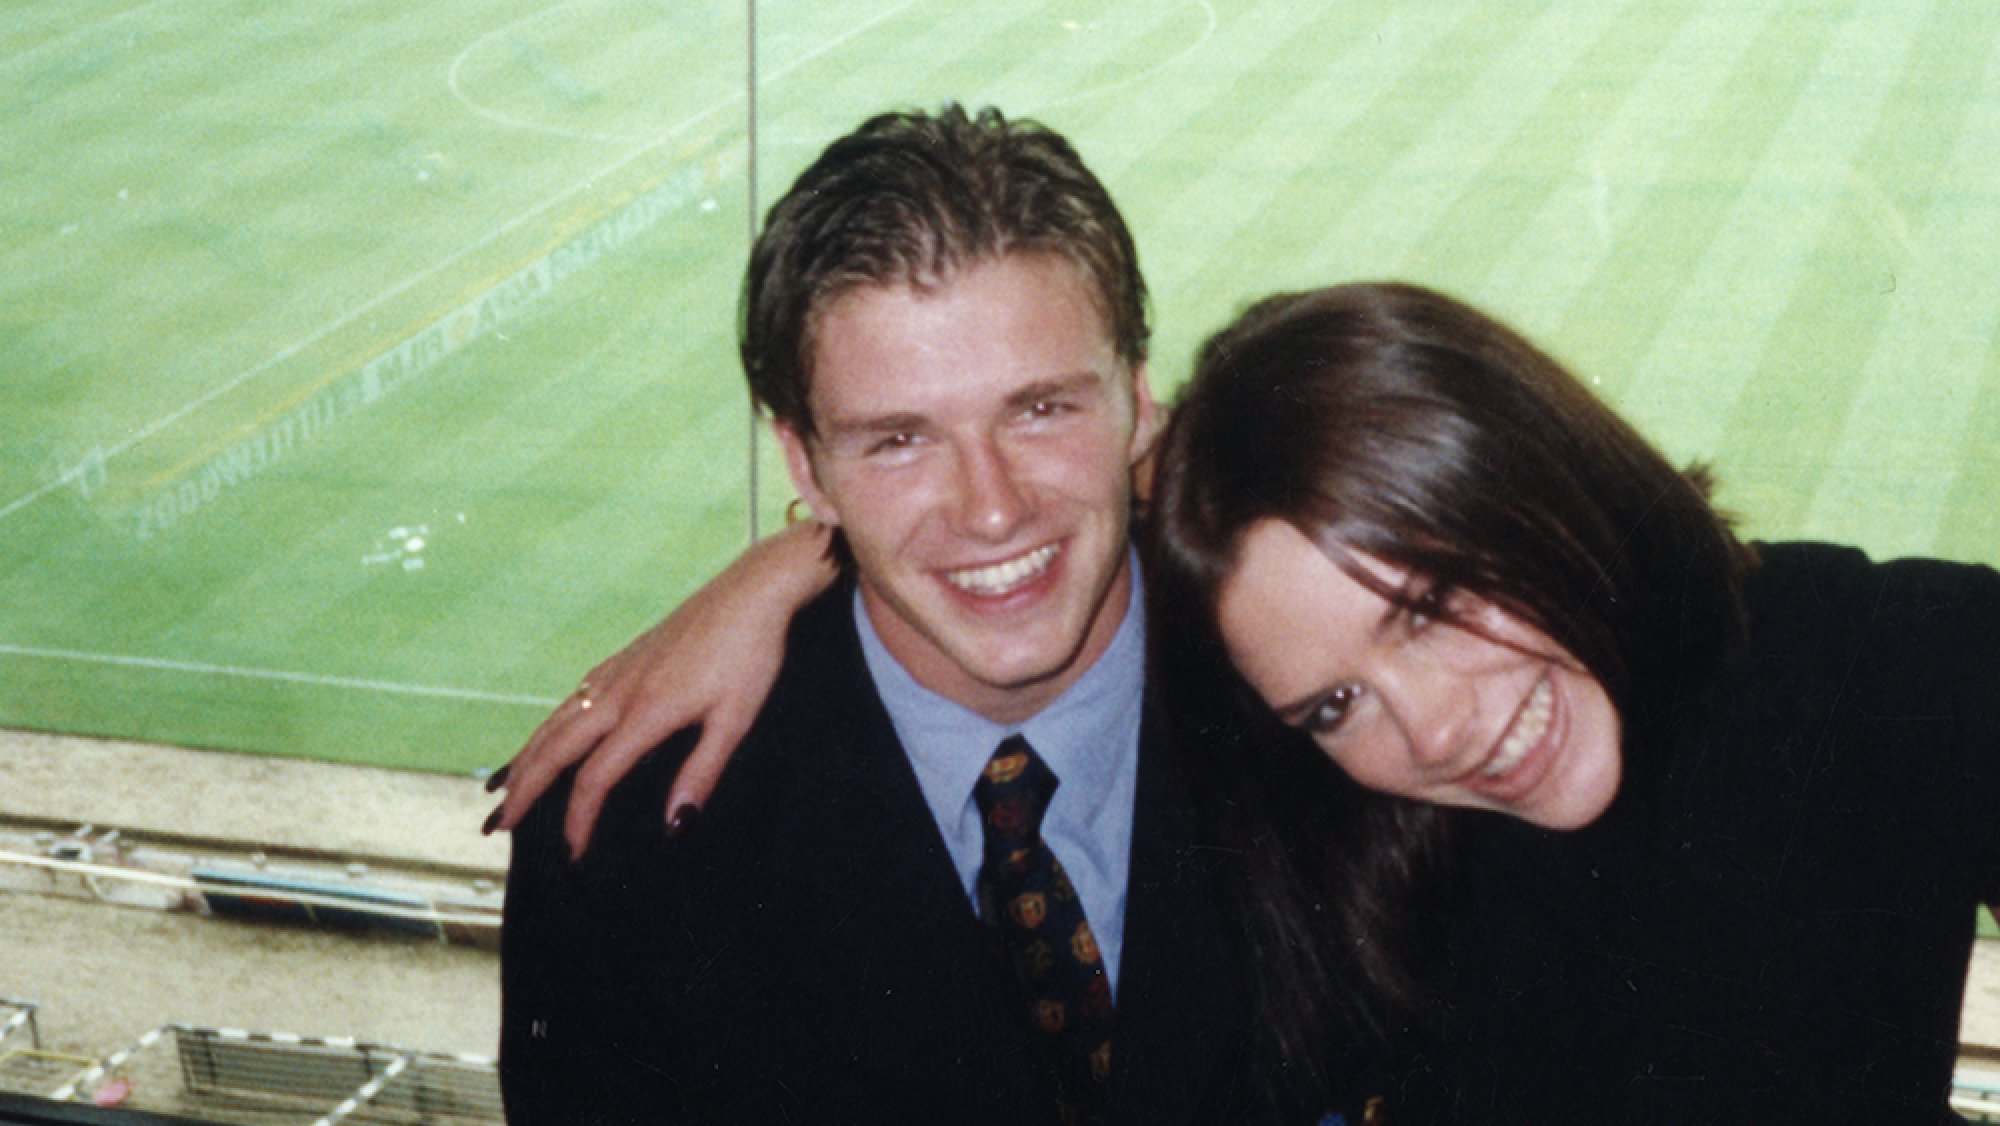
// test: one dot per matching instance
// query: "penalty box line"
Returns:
(311, 413)
(317, 680)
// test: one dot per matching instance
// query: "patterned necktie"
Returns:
(1028, 898)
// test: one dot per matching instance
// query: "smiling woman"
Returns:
(1462, 704)
(1432, 553)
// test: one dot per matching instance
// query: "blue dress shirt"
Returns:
(1089, 736)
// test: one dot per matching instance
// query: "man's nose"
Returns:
(991, 503)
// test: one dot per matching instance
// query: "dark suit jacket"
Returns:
(807, 954)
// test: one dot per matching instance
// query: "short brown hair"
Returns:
(909, 198)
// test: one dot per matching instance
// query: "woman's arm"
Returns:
(712, 661)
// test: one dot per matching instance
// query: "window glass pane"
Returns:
(369, 367)
(366, 372)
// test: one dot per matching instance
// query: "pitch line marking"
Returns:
(1036, 108)
(418, 322)
(82, 30)
(321, 680)
(513, 121)
(493, 235)
(1132, 80)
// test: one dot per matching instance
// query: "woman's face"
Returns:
(1489, 714)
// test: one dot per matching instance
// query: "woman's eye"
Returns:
(1330, 711)
(1427, 606)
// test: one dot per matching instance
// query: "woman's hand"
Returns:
(712, 662)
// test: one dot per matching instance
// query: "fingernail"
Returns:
(498, 778)
(682, 820)
(492, 822)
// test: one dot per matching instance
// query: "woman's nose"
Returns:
(1436, 708)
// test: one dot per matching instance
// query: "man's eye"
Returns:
(1330, 711)
(893, 443)
(1048, 408)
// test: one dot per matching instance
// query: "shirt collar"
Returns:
(1076, 734)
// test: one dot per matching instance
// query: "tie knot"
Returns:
(1013, 791)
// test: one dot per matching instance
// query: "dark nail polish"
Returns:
(492, 823)
(682, 820)
(498, 778)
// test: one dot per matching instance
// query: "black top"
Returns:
(807, 954)
(1773, 921)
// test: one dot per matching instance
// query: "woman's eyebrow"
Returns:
(1404, 600)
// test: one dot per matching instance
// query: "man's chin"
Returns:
(1019, 672)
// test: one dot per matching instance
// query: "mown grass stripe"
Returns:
(1463, 143)
(1560, 256)
(1713, 338)
(1270, 164)
(1869, 317)
(1623, 306)
(1554, 158)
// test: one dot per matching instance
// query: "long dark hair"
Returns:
(1396, 422)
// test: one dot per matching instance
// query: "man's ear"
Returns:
(805, 479)
(1147, 417)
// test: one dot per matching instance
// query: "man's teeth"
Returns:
(1003, 577)
(1528, 729)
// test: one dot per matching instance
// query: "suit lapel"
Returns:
(1178, 1025)
(861, 840)
(888, 937)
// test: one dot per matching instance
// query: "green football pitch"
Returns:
(366, 369)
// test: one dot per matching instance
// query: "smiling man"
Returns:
(948, 876)
(973, 439)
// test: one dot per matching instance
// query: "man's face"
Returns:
(975, 442)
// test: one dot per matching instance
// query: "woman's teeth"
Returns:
(1528, 729)
(1003, 577)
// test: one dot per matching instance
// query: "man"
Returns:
(947, 876)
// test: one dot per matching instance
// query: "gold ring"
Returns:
(582, 694)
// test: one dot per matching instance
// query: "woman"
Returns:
(1650, 826)
(1440, 559)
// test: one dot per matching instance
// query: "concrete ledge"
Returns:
(314, 805)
